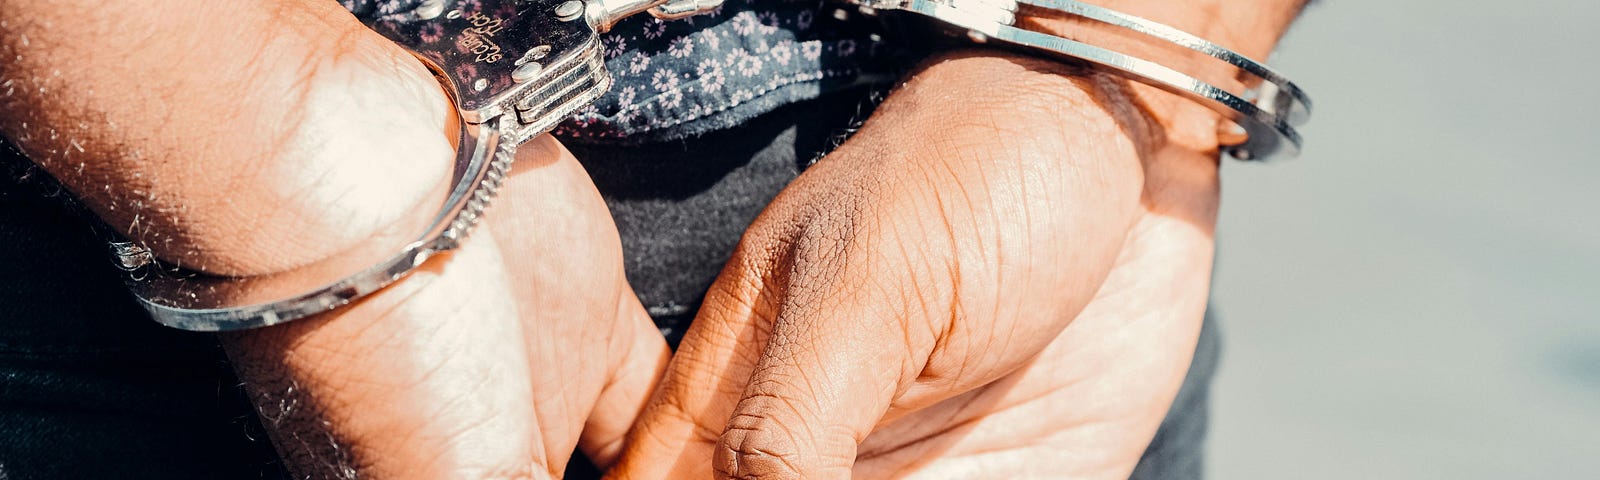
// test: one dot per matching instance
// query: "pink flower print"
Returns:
(680, 47)
(655, 28)
(627, 114)
(711, 39)
(768, 21)
(664, 80)
(585, 116)
(698, 110)
(811, 50)
(743, 62)
(671, 99)
(638, 63)
(626, 96)
(782, 52)
(803, 20)
(431, 32)
(614, 45)
(745, 23)
(710, 73)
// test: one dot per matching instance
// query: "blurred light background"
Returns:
(1418, 296)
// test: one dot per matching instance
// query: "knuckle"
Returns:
(833, 239)
(757, 446)
(770, 439)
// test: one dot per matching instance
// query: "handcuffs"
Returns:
(1267, 110)
(516, 68)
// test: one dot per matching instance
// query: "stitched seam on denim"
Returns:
(676, 121)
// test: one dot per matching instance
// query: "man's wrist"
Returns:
(1249, 27)
(1040, 98)
(981, 109)
(287, 135)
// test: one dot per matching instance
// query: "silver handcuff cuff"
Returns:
(516, 68)
(1267, 110)
(512, 68)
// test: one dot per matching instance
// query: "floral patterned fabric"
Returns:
(675, 79)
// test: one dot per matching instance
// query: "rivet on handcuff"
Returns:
(516, 68)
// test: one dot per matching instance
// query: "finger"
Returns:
(678, 429)
(832, 367)
(641, 362)
(596, 355)
(426, 379)
(772, 292)
(1134, 342)
(1089, 405)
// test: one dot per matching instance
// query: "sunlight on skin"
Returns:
(283, 136)
(903, 308)
(956, 290)
(292, 133)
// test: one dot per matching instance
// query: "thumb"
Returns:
(831, 368)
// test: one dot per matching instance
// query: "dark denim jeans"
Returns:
(90, 388)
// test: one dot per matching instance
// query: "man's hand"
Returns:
(493, 362)
(1001, 275)
(903, 307)
(244, 138)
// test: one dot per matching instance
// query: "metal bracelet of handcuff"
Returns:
(516, 68)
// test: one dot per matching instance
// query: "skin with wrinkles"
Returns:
(1001, 275)
(249, 137)
(219, 144)
(904, 311)
(493, 363)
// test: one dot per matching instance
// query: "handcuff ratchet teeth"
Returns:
(512, 68)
